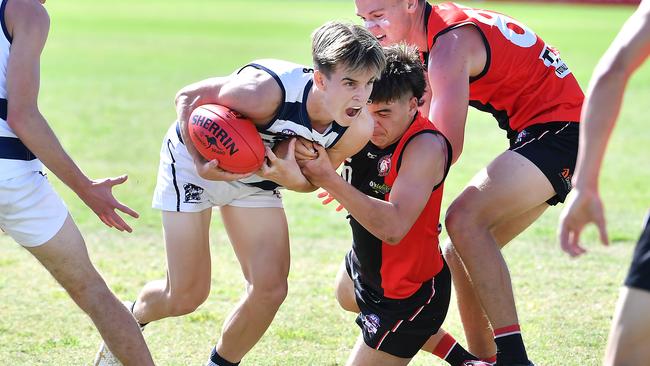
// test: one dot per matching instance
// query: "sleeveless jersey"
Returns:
(394, 271)
(15, 158)
(524, 82)
(292, 119)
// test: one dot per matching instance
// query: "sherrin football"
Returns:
(220, 133)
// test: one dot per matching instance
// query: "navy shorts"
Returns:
(553, 148)
(401, 327)
(639, 274)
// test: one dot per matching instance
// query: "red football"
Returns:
(220, 133)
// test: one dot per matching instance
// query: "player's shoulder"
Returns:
(29, 11)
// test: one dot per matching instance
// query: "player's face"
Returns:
(347, 93)
(385, 19)
(392, 119)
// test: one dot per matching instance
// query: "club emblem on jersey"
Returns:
(383, 166)
(371, 323)
(192, 193)
(521, 136)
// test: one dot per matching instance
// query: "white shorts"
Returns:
(30, 210)
(180, 188)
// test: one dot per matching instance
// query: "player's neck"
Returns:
(417, 34)
(317, 111)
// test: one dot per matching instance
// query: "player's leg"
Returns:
(187, 284)
(510, 186)
(628, 338)
(66, 258)
(478, 331)
(344, 290)
(362, 355)
(260, 239)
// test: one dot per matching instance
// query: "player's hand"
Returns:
(305, 150)
(210, 170)
(328, 198)
(99, 197)
(283, 168)
(319, 170)
(584, 207)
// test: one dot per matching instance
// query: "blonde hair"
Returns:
(349, 45)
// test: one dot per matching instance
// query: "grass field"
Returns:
(110, 72)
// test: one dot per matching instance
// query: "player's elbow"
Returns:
(394, 234)
(18, 119)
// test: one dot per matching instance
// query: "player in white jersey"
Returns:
(283, 100)
(30, 211)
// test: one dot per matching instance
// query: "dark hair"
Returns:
(344, 44)
(404, 75)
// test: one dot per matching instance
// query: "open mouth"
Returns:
(381, 38)
(353, 112)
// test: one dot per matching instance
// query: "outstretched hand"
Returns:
(583, 208)
(99, 197)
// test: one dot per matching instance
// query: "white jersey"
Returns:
(292, 119)
(15, 158)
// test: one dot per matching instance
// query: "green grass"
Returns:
(110, 72)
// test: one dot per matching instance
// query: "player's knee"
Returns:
(187, 301)
(88, 292)
(269, 294)
(460, 219)
(182, 305)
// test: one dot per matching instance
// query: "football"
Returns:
(221, 133)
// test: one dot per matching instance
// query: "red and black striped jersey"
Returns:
(394, 271)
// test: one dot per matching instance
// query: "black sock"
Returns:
(510, 346)
(216, 360)
(458, 355)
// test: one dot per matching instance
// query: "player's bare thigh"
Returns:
(508, 187)
(65, 256)
(260, 238)
(187, 242)
(345, 290)
(362, 355)
(628, 338)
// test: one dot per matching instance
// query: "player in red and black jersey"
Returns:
(497, 64)
(395, 277)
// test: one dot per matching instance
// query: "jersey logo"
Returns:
(371, 323)
(383, 165)
(192, 193)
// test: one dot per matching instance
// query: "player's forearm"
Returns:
(599, 115)
(381, 218)
(32, 129)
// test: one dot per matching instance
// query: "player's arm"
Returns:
(424, 161)
(251, 92)
(451, 63)
(599, 113)
(29, 24)
(604, 97)
(354, 139)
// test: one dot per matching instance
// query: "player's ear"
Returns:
(411, 6)
(319, 79)
(414, 103)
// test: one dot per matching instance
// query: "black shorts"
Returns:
(639, 275)
(401, 327)
(553, 148)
